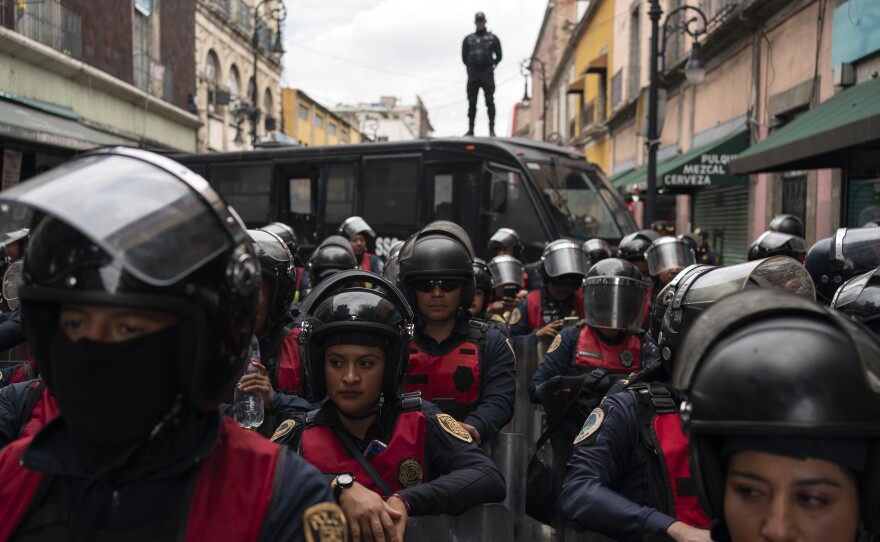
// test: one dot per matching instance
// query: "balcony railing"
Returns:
(588, 115)
(50, 23)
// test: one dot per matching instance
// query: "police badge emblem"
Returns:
(515, 316)
(410, 472)
(283, 429)
(593, 423)
(627, 359)
(555, 344)
(325, 522)
(451, 426)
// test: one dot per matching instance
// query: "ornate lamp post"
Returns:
(278, 13)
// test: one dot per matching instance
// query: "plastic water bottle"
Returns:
(249, 404)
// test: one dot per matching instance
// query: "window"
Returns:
(519, 213)
(140, 48)
(617, 88)
(343, 136)
(246, 188)
(212, 74)
(390, 189)
(233, 83)
(635, 49)
(331, 128)
(302, 112)
(443, 197)
(339, 203)
(794, 196)
(300, 196)
(863, 202)
(319, 121)
(268, 104)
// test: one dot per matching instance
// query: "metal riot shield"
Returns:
(509, 452)
(11, 282)
(484, 523)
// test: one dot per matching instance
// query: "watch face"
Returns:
(344, 480)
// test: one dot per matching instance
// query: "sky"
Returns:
(353, 51)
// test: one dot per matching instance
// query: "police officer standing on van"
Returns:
(481, 52)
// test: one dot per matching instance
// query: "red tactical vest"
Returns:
(536, 317)
(321, 448)
(230, 501)
(593, 353)
(40, 409)
(455, 375)
(365, 261)
(660, 426)
(289, 366)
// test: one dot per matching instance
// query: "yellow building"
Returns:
(312, 124)
(592, 42)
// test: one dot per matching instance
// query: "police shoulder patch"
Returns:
(451, 426)
(325, 522)
(593, 423)
(283, 429)
(515, 316)
(555, 344)
(410, 472)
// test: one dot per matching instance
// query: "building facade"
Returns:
(311, 124)
(80, 74)
(225, 64)
(388, 120)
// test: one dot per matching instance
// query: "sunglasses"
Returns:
(427, 285)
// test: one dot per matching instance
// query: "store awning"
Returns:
(705, 166)
(597, 65)
(576, 88)
(24, 123)
(821, 137)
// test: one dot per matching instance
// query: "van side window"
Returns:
(246, 188)
(300, 196)
(339, 203)
(519, 213)
(443, 209)
(390, 192)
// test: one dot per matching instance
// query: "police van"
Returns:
(543, 191)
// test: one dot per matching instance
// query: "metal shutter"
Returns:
(724, 212)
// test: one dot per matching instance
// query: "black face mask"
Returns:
(112, 395)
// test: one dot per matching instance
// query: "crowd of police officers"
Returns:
(682, 400)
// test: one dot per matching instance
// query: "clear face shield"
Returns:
(506, 271)
(668, 253)
(615, 302)
(564, 259)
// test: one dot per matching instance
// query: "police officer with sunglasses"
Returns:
(457, 362)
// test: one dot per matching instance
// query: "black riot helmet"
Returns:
(664, 299)
(597, 250)
(341, 311)
(506, 271)
(505, 238)
(834, 260)
(705, 286)
(692, 240)
(440, 250)
(615, 295)
(859, 297)
(333, 255)
(277, 269)
(355, 225)
(774, 243)
(564, 257)
(668, 253)
(391, 269)
(633, 246)
(789, 224)
(770, 367)
(483, 281)
(286, 234)
(127, 227)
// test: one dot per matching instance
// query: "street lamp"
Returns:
(526, 66)
(694, 69)
(278, 13)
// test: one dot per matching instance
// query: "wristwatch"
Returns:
(343, 481)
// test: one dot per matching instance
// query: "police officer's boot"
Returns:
(492, 130)
(470, 131)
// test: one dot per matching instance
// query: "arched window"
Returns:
(212, 74)
(233, 82)
(268, 103)
(250, 95)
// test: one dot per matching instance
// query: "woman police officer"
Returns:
(390, 455)
(782, 402)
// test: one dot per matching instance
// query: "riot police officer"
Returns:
(774, 243)
(597, 250)
(667, 256)
(139, 322)
(387, 446)
(781, 406)
(483, 294)
(506, 242)
(543, 311)
(834, 260)
(356, 230)
(461, 364)
(632, 248)
(789, 224)
(481, 52)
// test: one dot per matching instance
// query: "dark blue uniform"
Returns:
(497, 383)
(550, 309)
(13, 400)
(11, 332)
(605, 489)
(147, 502)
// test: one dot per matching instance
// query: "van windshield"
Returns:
(581, 204)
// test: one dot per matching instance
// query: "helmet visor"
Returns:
(566, 259)
(774, 240)
(615, 302)
(155, 225)
(671, 254)
(851, 290)
(273, 247)
(506, 271)
(779, 272)
(504, 237)
(861, 246)
(356, 225)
